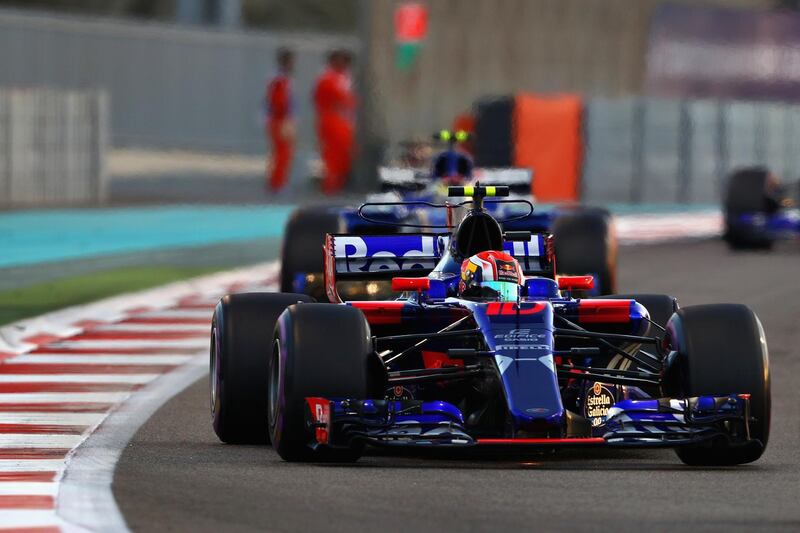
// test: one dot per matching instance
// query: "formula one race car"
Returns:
(584, 236)
(759, 210)
(484, 347)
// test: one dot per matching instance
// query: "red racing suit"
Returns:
(280, 129)
(335, 104)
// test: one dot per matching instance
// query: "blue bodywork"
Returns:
(514, 376)
(781, 224)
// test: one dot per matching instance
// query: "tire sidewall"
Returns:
(701, 371)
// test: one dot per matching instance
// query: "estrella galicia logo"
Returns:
(599, 400)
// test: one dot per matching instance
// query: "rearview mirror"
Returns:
(410, 284)
(576, 283)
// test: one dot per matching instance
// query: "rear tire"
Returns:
(721, 350)
(301, 251)
(585, 243)
(320, 350)
(241, 341)
(746, 194)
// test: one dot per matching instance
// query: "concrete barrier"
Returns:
(52, 147)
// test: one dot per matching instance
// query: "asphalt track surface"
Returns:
(175, 474)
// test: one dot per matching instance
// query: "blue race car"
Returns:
(485, 346)
(584, 236)
(759, 210)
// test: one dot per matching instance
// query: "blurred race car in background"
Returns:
(485, 346)
(584, 237)
(759, 209)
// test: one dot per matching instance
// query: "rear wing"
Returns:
(375, 257)
(414, 178)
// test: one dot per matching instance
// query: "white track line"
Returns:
(135, 379)
(26, 440)
(18, 518)
(31, 465)
(102, 359)
(79, 353)
(28, 488)
(62, 397)
(81, 490)
(178, 313)
(147, 328)
(54, 419)
(657, 228)
(128, 344)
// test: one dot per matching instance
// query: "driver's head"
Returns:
(491, 275)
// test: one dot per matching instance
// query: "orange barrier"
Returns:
(547, 139)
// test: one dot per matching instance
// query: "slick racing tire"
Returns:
(721, 350)
(241, 343)
(585, 243)
(320, 350)
(301, 251)
(746, 194)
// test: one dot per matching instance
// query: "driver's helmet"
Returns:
(491, 275)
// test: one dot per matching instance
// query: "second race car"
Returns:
(584, 236)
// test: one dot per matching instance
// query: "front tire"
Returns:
(320, 350)
(721, 350)
(241, 341)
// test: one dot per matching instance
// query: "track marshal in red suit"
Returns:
(335, 104)
(280, 121)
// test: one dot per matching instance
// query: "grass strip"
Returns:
(34, 300)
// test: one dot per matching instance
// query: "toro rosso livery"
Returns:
(485, 346)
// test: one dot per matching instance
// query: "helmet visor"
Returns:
(506, 291)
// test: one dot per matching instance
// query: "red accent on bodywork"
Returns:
(321, 414)
(576, 283)
(616, 311)
(498, 308)
(330, 271)
(439, 360)
(381, 312)
(410, 284)
(545, 442)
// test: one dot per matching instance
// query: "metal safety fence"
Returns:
(52, 147)
(645, 150)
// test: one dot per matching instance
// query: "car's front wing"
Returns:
(661, 422)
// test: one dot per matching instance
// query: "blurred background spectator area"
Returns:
(189, 75)
(307, 15)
